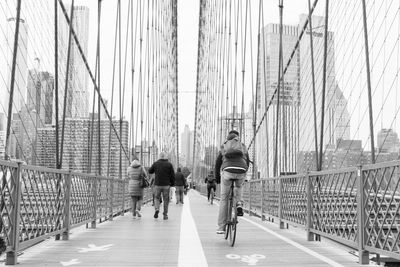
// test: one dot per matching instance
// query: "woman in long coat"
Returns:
(135, 171)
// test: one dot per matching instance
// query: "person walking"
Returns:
(232, 163)
(180, 185)
(135, 173)
(163, 180)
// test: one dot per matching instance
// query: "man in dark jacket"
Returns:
(228, 169)
(164, 179)
(180, 185)
(210, 181)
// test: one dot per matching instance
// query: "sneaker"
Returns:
(156, 214)
(239, 209)
(138, 214)
(220, 232)
(165, 217)
(134, 217)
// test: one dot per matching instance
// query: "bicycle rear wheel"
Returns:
(233, 226)
(212, 196)
(229, 217)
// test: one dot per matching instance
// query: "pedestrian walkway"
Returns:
(187, 238)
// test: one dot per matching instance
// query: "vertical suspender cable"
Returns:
(313, 84)
(91, 125)
(275, 170)
(175, 15)
(12, 82)
(120, 89)
(242, 118)
(321, 144)
(112, 94)
(255, 104)
(97, 78)
(196, 115)
(371, 123)
(66, 83)
(56, 79)
(99, 86)
(132, 137)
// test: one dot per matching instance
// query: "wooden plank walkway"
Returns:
(187, 238)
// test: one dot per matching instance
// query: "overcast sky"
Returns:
(188, 16)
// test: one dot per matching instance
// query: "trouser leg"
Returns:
(134, 204)
(157, 198)
(166, 199)
(223, 205)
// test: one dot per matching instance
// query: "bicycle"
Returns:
(231, 222)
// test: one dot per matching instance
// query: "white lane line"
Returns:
(190, 249)
(297, 245)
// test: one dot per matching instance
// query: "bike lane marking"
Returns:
(295, 244)
(191, 251)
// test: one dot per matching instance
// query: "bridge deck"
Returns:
(187, 239)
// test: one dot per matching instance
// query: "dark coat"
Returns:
(180, 179)
(164, 173)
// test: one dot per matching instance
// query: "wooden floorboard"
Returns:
(155, 242)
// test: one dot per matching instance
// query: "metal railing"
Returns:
(329, 204)
(326, 203)
(38, 202)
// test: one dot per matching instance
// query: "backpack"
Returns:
(233, 148)
(211, 179)
(143, 182)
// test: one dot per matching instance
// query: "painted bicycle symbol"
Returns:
(250, 259)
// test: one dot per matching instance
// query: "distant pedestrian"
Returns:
(135, 172)
(180, 185)
(211, 183)
(164, 179)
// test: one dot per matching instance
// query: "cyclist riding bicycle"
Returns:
(232, 164)
(211, 183)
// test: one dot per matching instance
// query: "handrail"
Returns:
(38, 202)
(328, 203)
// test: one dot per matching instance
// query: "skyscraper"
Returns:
(336, 118)
(187, 138)
(388, 141)
(267, 85)
(77, 103)
(41, 96)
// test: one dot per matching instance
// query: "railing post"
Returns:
(67, 207)
(310, 235)
(262, 200)
(94, 214)
(363, 255)
(280, 203)
(11, 258)
(111, 216)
